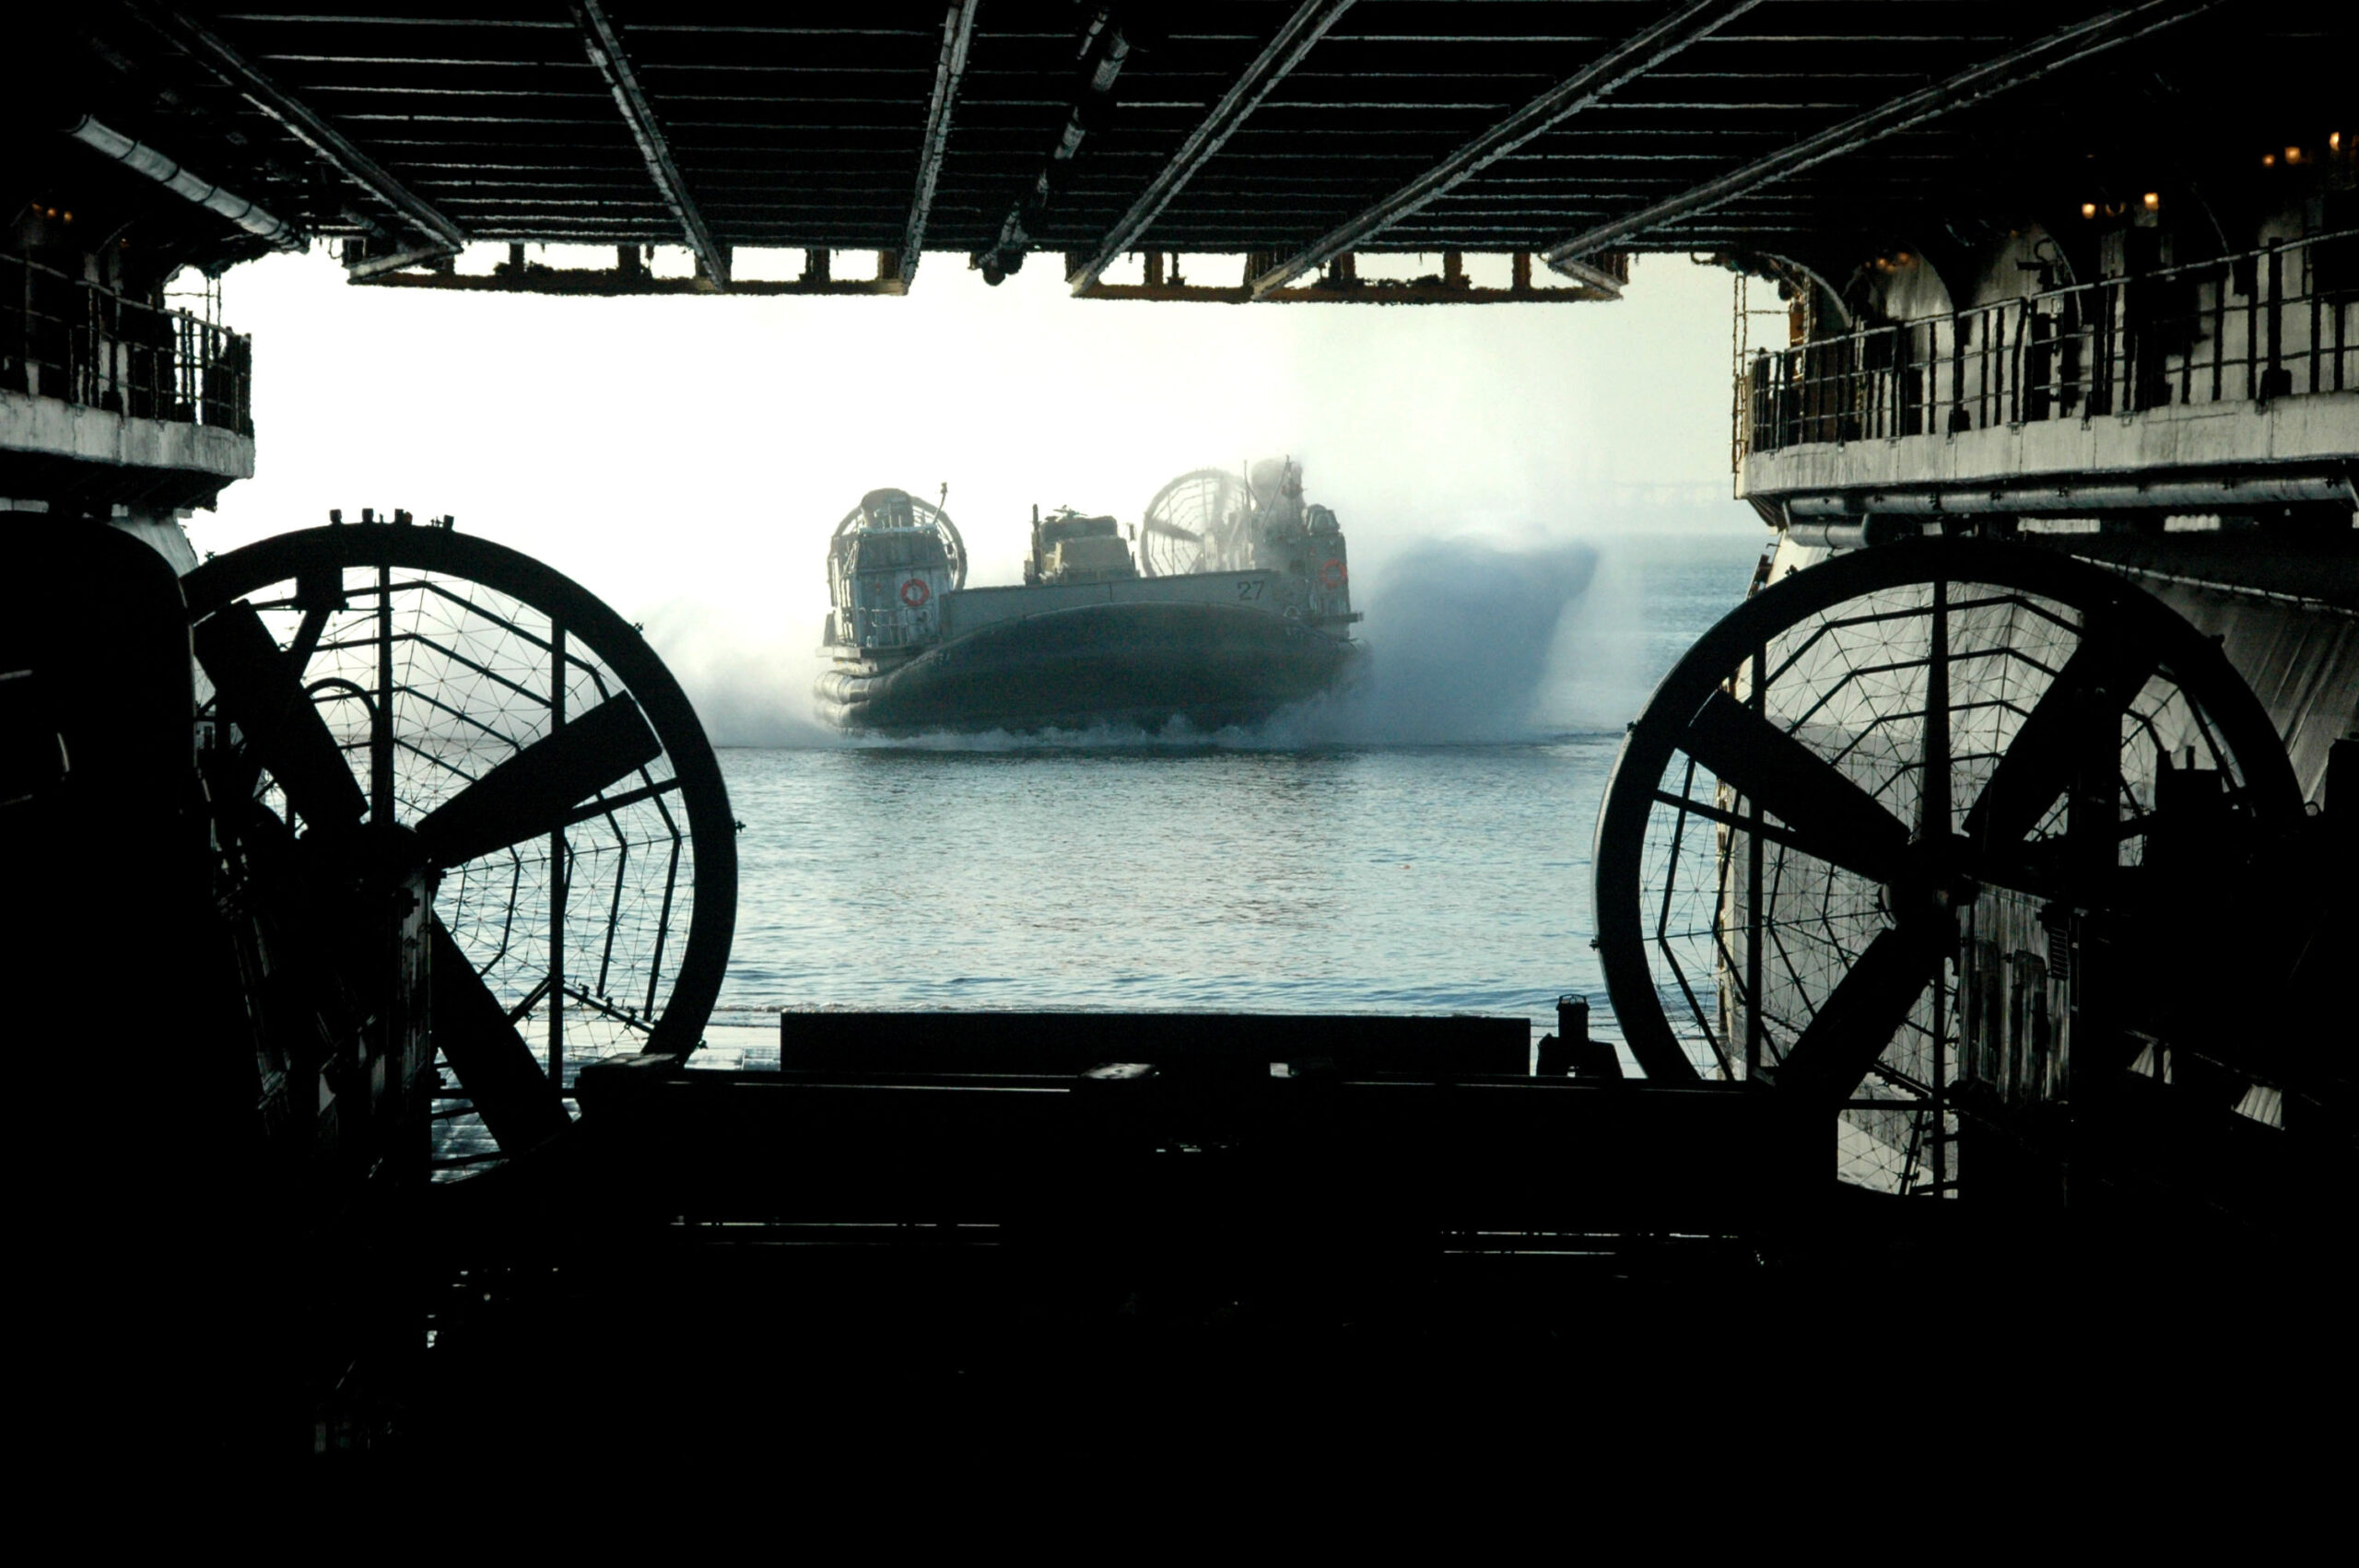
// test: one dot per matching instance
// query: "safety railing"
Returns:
(2269, 323)
(65, 337)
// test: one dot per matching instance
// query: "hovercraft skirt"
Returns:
(1123, 663)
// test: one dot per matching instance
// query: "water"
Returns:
(1425, 850)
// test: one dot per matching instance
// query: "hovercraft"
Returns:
(1230, 601)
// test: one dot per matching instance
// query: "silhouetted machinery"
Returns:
(447, 830)
(412, 714)
(1975, 850)
(1989, 856)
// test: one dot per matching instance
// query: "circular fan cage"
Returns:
(922, 514)
(434, 658)
(1196, 523)
(1905, 750)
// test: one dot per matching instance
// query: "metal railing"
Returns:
(2268, 323)
(65, 337)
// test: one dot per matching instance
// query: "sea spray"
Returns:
(748, 690)
(1460, 633)
(1606, 655)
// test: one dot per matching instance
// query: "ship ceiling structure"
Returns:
(1289, 134)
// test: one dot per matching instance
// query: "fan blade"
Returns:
(1831, 816)
(1173, 530)
(262, 694)
(532, 791)
(1859, 1018)
(495, 1066)
(2094, 689)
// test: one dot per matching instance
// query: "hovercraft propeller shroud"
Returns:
(433, 708)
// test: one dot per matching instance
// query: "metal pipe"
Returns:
(173, 177)
(1280, 56)
(1853, 533)
(957, 30)
(2223, 492)
(2012, 69)
(1631, 58)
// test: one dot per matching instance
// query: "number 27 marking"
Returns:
(1248, 588)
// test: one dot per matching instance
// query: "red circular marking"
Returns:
(1333, 574)
(914, 593)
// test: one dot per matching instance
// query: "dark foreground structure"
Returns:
(1973, 900)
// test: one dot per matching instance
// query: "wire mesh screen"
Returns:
(1914, 695)
(430, 681)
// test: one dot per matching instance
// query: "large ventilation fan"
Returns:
(1857, 839)
(1196, 523)
(427, 706)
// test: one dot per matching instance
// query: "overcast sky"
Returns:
(673, 450)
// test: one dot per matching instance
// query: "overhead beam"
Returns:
(532, 277)
(300, 119)
(371, 267)
(1453, 286)
(1283, 52)
(1626, 61)
(1970, 87)
(1106, 46)
(957, 29)
(604, 45)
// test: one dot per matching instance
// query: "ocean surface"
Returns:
(1422, 847)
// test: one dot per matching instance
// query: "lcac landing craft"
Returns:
(1237, 602)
